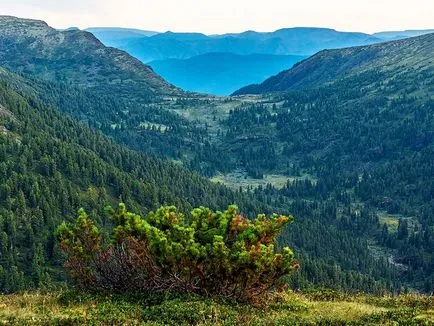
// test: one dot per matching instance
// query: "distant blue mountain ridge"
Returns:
(296, 41)
(221, 73)
(117, 37)
(220, 64)
(397, 35)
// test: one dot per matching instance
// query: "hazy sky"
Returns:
(220, 16)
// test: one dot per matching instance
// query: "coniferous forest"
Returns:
(330, 165)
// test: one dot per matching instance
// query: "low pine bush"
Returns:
(212, 253)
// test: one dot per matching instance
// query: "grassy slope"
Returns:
(286, 309)
(396, 57)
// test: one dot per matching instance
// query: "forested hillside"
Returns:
(367, 149)
(351, 150)
(150, 128)
(363, 135)
(105, 88)
(52, 165)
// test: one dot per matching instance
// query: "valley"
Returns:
(343, 141)
(221, 73)
(221, 64)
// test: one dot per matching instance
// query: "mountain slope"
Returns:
(300, 41)
(221, 73)
(105, 88)
(332, 243)
(75, 56)
(51, 165)
(150, 128)
(330, 65)
(360, 121)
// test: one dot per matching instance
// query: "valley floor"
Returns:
(325, 308)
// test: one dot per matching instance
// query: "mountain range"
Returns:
(402, 56)
(188, 60)
(299, 41)
(344, 141)
(221, 73)
(118, 37)
(150, 45)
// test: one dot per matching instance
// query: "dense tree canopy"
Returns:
(356, 155)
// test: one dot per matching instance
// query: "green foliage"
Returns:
(369, 149)
(50, 164)
(81, 242)
(219, 253)
(364, 144)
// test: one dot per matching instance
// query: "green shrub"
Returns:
(217, 253)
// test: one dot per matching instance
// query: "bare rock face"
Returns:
(75, 56)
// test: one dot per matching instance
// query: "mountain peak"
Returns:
(10, 25)
(7, 18)
(77, 56)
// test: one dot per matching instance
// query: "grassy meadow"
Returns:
(318, 308)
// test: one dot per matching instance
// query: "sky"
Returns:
(222, 16)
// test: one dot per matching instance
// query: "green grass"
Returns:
(325, 308)
(392, 222)
(237, 179)
(212, 110)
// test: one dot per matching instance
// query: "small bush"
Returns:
(216, 253)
